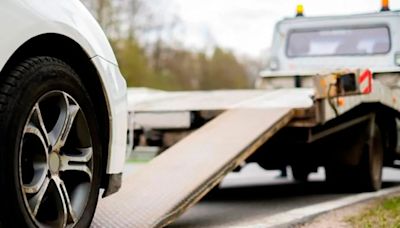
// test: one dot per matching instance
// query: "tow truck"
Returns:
(330, 98)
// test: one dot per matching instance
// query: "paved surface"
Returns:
(214, 150)
(254, 194)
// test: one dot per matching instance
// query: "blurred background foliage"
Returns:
(150, 56)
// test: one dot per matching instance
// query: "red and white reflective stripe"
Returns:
(365, 81)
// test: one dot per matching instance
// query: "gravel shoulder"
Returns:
(336, 218)
(339, 218)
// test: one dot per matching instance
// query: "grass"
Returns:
(385, 213)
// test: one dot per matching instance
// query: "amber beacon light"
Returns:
(299, 10)
(385, 5)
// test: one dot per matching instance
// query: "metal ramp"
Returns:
(172, 182)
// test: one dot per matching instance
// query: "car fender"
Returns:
(23, 20)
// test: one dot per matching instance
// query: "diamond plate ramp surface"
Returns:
(162, 190)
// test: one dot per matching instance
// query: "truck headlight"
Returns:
(397, 58)
(274, 64)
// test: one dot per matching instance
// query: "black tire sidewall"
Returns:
(360, 177)
(373, 153)
(36, 78)
(300, 173)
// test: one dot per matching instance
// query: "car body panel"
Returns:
(117, 99)
(23, 20)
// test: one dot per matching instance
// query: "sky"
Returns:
(246, 26)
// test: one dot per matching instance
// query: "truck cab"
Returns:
(307, 46)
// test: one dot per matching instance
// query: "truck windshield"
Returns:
(343, 41)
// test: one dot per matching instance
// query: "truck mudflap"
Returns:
(172, 182)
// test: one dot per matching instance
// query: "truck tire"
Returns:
(371, 163)
(367, 174)
(50, 155)
(300, 173)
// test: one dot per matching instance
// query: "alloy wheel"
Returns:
(55, 161)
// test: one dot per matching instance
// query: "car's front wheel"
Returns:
(50, 154)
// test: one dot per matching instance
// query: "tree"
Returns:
(132, 61)
(105, 13)
(225, 72)
(156, 63)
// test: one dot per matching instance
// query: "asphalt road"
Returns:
(254, 193)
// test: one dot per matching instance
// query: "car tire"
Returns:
(50, 155)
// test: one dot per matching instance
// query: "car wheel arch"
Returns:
(69, 51)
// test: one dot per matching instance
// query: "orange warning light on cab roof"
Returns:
(385, 5)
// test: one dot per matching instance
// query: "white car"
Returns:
(63, 118)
